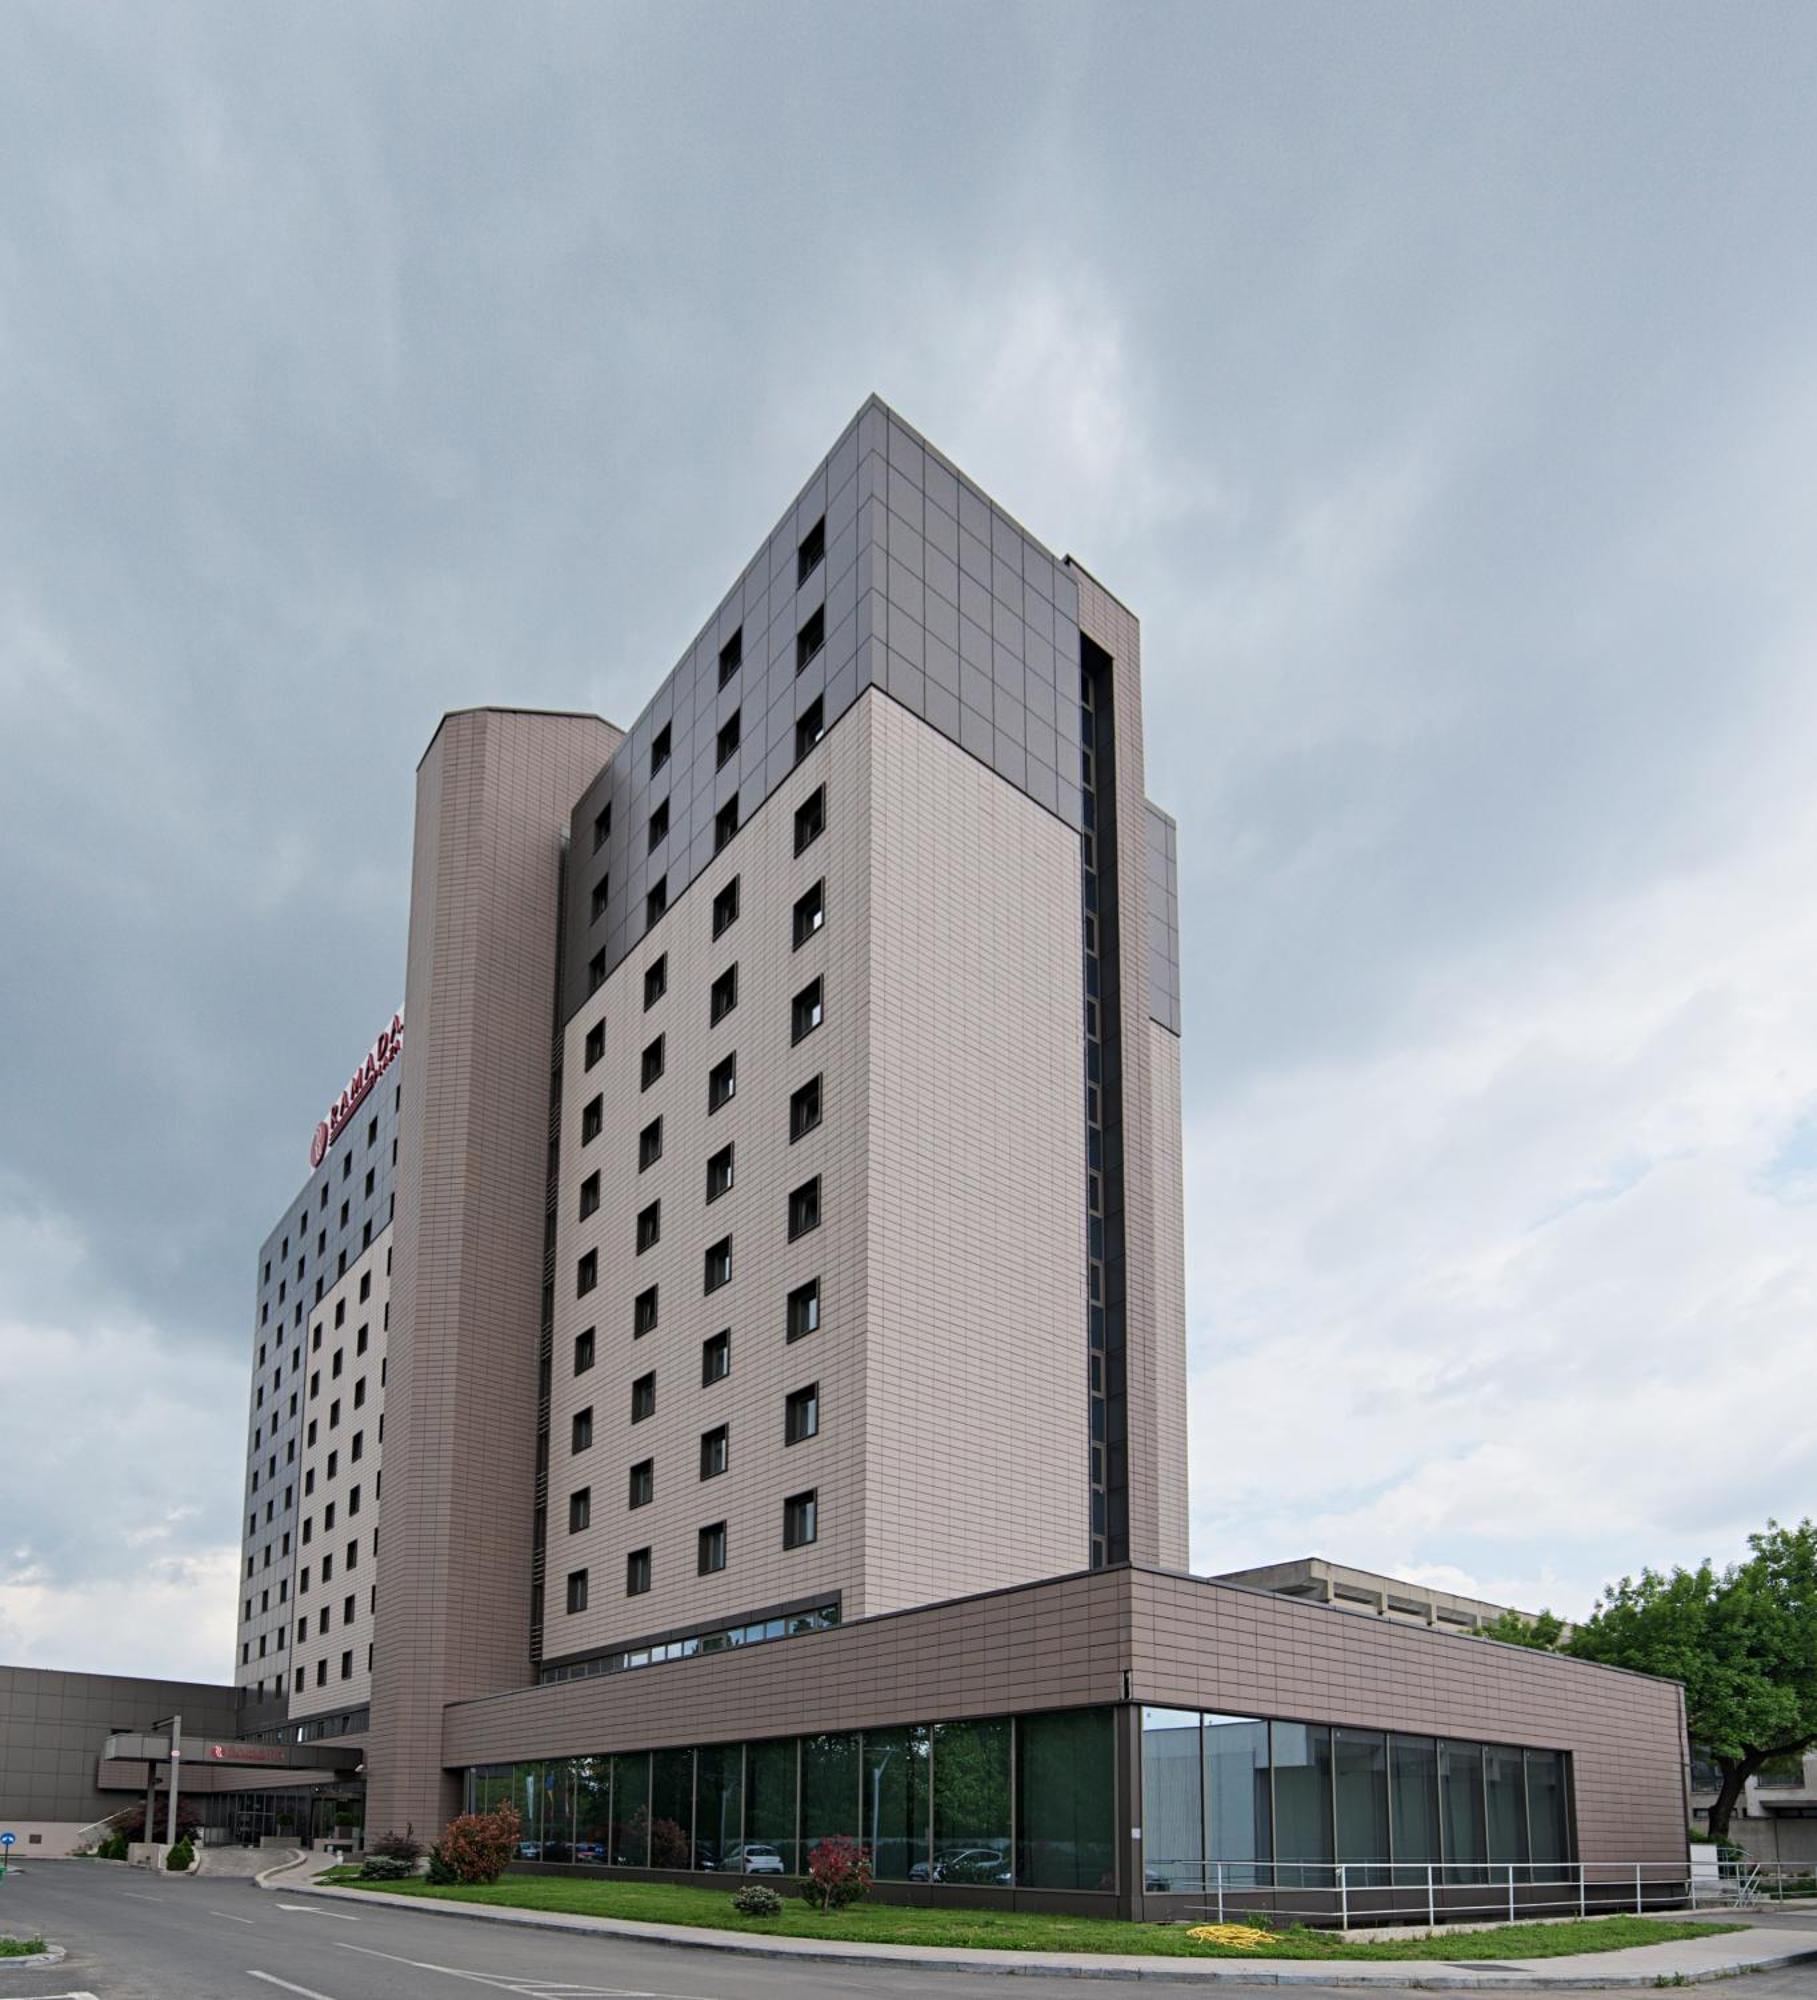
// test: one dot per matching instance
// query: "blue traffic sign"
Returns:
(7, 1839)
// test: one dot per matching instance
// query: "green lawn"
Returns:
(1019, 1930)
(20, 1947)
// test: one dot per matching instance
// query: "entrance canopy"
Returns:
(226, 1753)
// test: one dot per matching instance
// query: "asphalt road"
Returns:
(136, 1936)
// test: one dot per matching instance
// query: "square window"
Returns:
(810, 727)
(649, 1145)
(804, 1110)
(725, 908)
(637, 1573)
(801, 1415)
(659, 749)
(811, 553)
(725, 824)
(643, 1313)
(602, 826)
(726, 743)
(810, 819)
(582, 1434)
(589, 1195)
(731, 656)
(712, 1553)
(716, 1358)
(719, 1174)
(715, 1448)
(642, 1484)
(584, 1344)
(659, 826)
(596, 1043)
(592, 1120)
(719, 1264)
(596, 970)
(804, 1309)
(643, 1397)
(577, 1590)
(649, 1227)
(800, 1520)
(602, 890)
(810, 913)
(722, 1082)
(651, 1070)
(655, 903)
(722, 996)
(656, 981)
(811, 637)
(586, 1274)
(806, 1014)
(580, 1510)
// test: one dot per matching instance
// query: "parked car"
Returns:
(972, 1864)
(529, 1850)
(755, 1857)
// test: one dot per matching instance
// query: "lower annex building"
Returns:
(753, 1409)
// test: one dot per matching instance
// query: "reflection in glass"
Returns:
(1413, 1797)
(1359, 1761)
(671, 1808)
(1301, 1755)
(558, 1810)
(1460, 1784)
(1238, 1818)
(631, 1810)
(1173, 1846)
(829, 1790)
(769, 1809)
(527, 1796)
(896, 1803)
(593, 1809)
(1548, 1810)
(971, 1802)
(718, 1804)
(1504, 1784)
(1066, 1800)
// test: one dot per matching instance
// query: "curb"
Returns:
(295, 1859)
(1419, 1974)
(54, 1955)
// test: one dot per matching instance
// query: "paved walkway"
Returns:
(243, 1862)
(1685, 1961)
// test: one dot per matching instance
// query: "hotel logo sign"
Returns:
(383, 1053)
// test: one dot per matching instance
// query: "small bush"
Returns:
(387, 1868)
(113, 1848)
(839, 1872)
(181, 1858)
(441, 1869)
(479, 1847)
(397, 1846)
(754, 1900)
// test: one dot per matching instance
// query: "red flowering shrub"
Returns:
(839, 1872)
(480, 1846)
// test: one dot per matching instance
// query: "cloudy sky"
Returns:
(1440, 385)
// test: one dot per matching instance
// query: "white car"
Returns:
(755, 1857)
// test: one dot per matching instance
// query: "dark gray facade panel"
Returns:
(1162, 859)
(927, 591)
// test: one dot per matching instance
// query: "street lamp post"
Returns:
(175, 1725)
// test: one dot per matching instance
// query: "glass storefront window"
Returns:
(593, 1809)
(971, 1802)
(1413, 1798)
(829, 1790)
(1239, 1823)
(558, 1810)
(1460, 1784)
(631, 1810)
(718, 1804)
(896, 1803)
(671, 1808)
(1066, 1800)
(1548, 1807)
(1301, 1755)
(769, 1811)
(1173, 1841)
(1359, 1765)
(527, 1796)
(1505, 1792)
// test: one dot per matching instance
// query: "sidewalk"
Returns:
(1688, 1961)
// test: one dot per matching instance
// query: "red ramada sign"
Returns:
(383, 1053)
(247, 1753)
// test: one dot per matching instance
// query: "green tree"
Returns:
(1743, 1641)
(1514, 1628)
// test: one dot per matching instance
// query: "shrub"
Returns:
(441, 1869)
(181, 1858)
(130, 1821)
(397, 1846)
(839, 1872)
(387, 1868)
(113, 1848)
(754, 1900)
(480, 1846)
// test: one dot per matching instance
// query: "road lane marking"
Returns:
(525, 1984)
(272, 1979)
(139, 1896)
(312, 1910)
(229, 1915)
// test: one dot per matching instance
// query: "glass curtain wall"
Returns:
(895, 1803)
(1066, 1800)
(972, 1834)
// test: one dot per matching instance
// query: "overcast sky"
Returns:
(1438, 383)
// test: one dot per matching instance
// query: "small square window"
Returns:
(726, 743)
(811, 637)
(807, 1012)
(592, 1120)
(643, 1312)
(725, 824)
(716, 1358)
(596, 970)
(722, 1082)
(589, 1195)
(652, 1065)
(719, 1264)
(643, 1397)
(642, 1484)
(584, 1344)
(722, 997)
(577, 1590)
(725, 908)
(714, 1451)
(804, 1309)
(811, 553)
(659, 749)
(582, 1437)
(659, 826)
(586, 1273)
(801, 1415)
(649, 1227)
(712, 1554)
(580, 1510)
(731, 656)
(649, 1145)
(804, 1110)
(810, 913)
(602, 826)
(602, 890)
(719, 1174)
(800, 1520)
(810, 819)
(637, 1573)
(810, 727)
(595, 1044)
(656, 981)
(655, 903)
